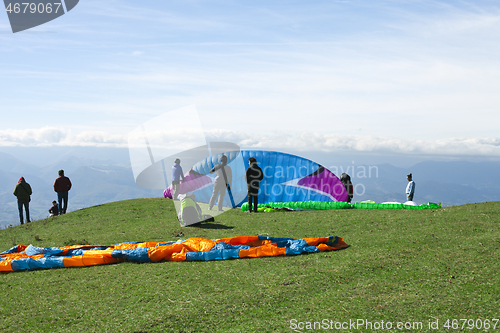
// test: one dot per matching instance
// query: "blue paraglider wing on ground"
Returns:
(287, 178)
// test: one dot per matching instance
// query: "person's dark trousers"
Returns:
(62, 197)
(255, 199)
(26, 204)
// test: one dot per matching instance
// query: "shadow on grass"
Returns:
(212, 226)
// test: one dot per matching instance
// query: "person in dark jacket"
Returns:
(23, 192)
(346, 180)
(62, 185)
(253, 176)
(54, 210)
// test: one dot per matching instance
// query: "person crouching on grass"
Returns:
(54, 210)
(253, 176)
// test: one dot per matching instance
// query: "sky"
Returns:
(399, 77)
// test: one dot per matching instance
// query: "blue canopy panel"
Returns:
(287, 178)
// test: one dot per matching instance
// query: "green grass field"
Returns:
(408, 266)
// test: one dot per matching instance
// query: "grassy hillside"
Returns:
(404, 266)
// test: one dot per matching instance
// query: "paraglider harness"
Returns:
(190, 212)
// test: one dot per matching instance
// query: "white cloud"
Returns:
(51, 136)
(311, 141)
(303, 141)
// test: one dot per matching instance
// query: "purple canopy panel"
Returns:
(168, 192)
(192, 181)
(324, 181)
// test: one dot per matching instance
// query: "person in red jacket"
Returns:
(62, 185)
(54, 210)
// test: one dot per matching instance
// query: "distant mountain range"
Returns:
(101, 175)
(451, 183)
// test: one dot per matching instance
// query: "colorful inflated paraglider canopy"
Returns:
(22, 257)
(287, 178)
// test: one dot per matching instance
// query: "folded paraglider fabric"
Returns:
(22, 257)
(322, 205)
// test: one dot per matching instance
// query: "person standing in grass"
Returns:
(23, 193)
(62, 185)
(177, 176)
(253, 176)
(223, 179)
(346, 181)
(410, 188)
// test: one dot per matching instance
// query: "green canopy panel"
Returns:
(323, 205)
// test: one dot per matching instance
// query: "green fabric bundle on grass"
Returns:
(323, 205)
